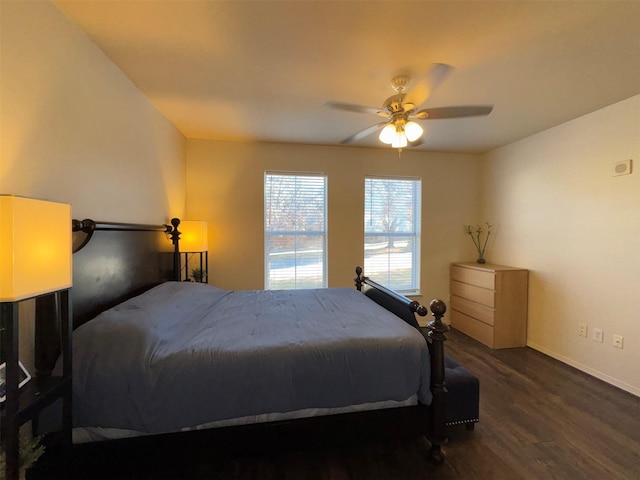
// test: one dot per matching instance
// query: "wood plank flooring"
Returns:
(539, 419)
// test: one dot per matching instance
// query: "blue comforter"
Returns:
(186, 354)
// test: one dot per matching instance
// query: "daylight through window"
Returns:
(392, 232)
(295, 228)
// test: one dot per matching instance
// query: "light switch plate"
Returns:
(597, 335)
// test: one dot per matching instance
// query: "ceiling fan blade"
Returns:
(363, 133)
(417, 142)
(427, 84)
(350, 107)
(452, 112)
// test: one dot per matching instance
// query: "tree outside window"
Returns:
(295, 231)
(392, 232)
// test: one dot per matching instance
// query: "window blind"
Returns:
(392, 232)
(295, 231)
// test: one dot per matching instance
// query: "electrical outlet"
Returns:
(618, 341)
(622, 168)
(597, 335)
(582, 329)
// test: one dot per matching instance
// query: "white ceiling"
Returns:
(263, 70)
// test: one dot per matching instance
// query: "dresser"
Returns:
(489, 303)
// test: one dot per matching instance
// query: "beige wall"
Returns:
(74, 129)
(225, 185)
(561, 213)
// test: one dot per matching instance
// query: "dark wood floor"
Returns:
(539, 419)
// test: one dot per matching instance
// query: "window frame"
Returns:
(323, 233)
(415, 233)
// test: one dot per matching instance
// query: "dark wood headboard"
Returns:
(119, 262)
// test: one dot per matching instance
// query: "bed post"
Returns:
(175, 239)
(437, 424)
(359, 278)
(397, 304)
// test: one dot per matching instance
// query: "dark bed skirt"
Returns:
(371, 424)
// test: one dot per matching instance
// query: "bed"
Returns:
(154, 356)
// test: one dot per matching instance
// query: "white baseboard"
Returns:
(594, 373)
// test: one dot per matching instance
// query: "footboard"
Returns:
(406, 309)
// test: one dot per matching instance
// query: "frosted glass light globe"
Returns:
(413, 131)
(400, 140)
(387, 134)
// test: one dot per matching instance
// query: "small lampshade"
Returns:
(35, 247)
(193, 236)
(413, 131)
(399, 140)
(387, 134)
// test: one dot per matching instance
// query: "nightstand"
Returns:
(25, 404)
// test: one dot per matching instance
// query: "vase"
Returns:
(481, 260)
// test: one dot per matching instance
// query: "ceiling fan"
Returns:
(402, 109)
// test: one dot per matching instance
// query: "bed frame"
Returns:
(124, 260)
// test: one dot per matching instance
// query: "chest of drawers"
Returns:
(489, 303)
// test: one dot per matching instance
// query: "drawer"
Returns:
(484, 296)
(473, 309)
(473, 277)
(472, 327)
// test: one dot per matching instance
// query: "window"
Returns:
(295, 231)
(392, 232)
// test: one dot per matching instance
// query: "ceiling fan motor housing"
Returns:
(395, 104)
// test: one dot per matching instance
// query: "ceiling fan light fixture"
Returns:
(388, 134)
(399, 140)
(413, 131)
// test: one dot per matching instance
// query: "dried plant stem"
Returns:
(476, 236)
(484, 247)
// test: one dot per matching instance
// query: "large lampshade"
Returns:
(193, 236)
(35, 247)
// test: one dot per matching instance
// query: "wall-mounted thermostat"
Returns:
(622, 168)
